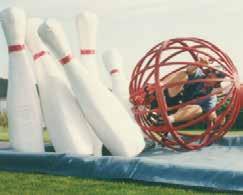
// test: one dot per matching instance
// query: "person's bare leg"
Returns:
(177, 77)
(187, 113)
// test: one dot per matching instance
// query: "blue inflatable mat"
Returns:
(218, 166)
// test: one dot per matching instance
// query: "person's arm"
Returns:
(213, 116)
(192, 69)
(211, 103)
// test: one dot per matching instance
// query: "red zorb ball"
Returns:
(158, 72)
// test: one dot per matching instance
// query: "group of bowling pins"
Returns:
(80, 113)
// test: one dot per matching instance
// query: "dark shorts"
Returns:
(171, 101)
(206, 105)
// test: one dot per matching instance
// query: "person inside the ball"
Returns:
(189, 91)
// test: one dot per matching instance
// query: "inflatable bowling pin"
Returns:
(86, 23)
(25, 125)
(67, 127)
(113, 62)
(102, 109)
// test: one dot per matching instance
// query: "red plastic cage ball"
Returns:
(149, 81)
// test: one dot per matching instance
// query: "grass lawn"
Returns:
(23, 183)
(19, 183)
(229, 133)
(4, 134)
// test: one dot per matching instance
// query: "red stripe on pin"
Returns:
(87, 51)
(15, 48)
(39, 54)
(66, 59)
(113, 71)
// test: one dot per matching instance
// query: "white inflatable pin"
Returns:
(67, 127)
(24, 113)
(114, 65)
(102, 109)
(87, 23)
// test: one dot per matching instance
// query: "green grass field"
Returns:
(37, 184)
(23, 183)
(4, 134)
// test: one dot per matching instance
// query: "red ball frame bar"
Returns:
(149, 67)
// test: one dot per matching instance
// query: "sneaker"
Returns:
(155, 119)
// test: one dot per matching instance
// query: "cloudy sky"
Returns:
(135, 26)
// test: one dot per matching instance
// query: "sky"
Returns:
(133, 27)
